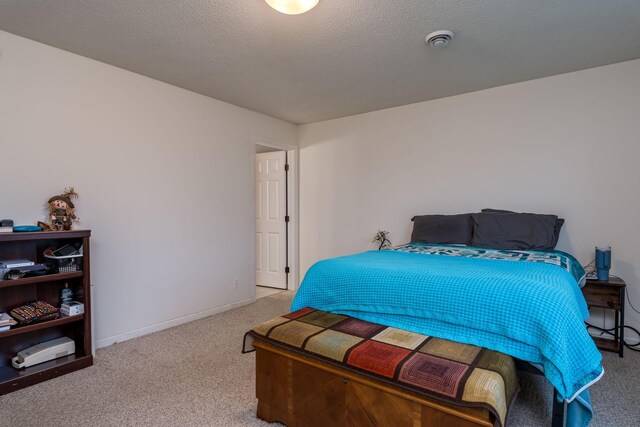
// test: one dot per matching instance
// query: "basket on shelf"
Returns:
(64, 263)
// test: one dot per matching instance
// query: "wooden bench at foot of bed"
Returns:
(298, 390)
(315, 368)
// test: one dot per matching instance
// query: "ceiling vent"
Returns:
(439, 39)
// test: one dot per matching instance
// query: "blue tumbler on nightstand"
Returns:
(603, 262)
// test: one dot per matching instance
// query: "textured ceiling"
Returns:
(341, 58)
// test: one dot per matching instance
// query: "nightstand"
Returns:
(608, 295)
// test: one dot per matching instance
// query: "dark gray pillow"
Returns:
(446, 229)
(518, 231)
(556, 229)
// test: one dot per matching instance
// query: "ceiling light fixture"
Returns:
(439, 39)
(292, 7)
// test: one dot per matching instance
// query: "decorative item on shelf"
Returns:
(381, 237)
(26, 228)
(37, 311)
(44, 226)
(603, 262)
(61, 210)
(6, 322)
(72, 308)
(6, 226)
(66, 294)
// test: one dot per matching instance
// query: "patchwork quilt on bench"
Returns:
(459, 374)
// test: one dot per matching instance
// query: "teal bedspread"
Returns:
(531, 309)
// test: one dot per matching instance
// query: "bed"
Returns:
(523, 303)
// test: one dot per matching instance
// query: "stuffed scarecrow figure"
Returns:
(61, 214)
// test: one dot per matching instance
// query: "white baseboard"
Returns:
(104, 342)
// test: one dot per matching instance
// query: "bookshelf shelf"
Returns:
(43, 235)
(40, 279)
(14, 379)
(41, 325)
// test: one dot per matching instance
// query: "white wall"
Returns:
(165, 178)
(266, 149)
(566, 144)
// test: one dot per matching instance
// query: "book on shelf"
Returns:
(16, 263)
(4, 328)
(6, 320)
(6, 229)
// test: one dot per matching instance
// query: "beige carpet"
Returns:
(195, 375)
(263, 291)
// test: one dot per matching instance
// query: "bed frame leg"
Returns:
(559, 408)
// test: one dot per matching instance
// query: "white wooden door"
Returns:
(271, 236)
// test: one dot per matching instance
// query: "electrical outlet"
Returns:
(235, 283)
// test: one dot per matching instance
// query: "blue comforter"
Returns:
(532, 310)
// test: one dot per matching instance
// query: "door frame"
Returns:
(293, 207)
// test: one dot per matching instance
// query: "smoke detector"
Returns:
(439, 39)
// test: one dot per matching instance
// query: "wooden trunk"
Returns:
(302, 391)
